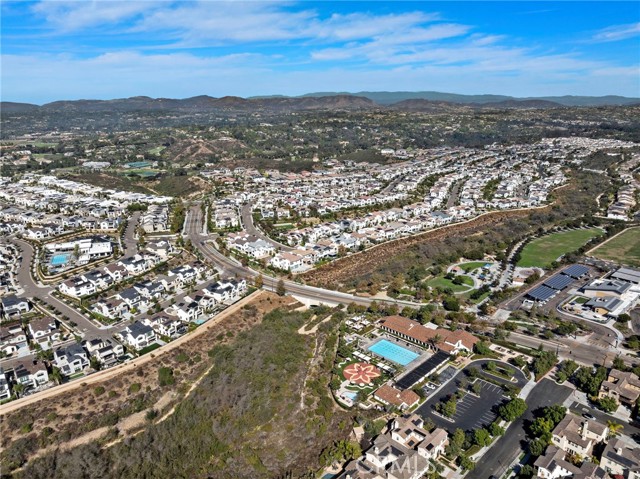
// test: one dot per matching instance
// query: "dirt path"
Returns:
(309, 371)
(315, 328)
(588, 253)
(125, 425)
(116, 371)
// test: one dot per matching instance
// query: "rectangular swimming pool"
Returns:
(393, 352)
(58, 259)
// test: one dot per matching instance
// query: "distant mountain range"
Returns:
(391, 97)
(410, 101)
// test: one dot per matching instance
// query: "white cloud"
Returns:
(196, 24)
(617, 32)
(180, 75)
(73, 15)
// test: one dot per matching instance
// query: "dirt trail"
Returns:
(592, 250)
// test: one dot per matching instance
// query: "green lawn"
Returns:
(148, 349)
(475, 301)
(441, 282)
(543, 251)
(157, 150)
(472, 265)
(624, 248)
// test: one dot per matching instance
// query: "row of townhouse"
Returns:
(225, 215)
(249, 245)
(156, 218)
(143, 294)
(208, 298)
(103, 278)
(76, 357)
(43, 332)
(10, 259)
(172, 323)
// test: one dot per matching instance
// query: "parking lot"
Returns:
(474, 412)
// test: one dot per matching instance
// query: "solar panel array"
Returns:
(558, 282)
(422, 370)
(575, 271)
(542, 293)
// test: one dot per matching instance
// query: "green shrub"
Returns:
(165, 376)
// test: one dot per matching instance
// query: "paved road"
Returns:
(130, 244)
(232, 267)
(390, 187)
(247, 223)
(33, 289)
(589, 353)
(508, 447)
(455, 191)
(603, 418)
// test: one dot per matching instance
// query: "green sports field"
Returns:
(543, 251)
(624, 248)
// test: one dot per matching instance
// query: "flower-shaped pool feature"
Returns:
(361, 373)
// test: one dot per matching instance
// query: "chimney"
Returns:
(585, 429)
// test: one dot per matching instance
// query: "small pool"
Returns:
(200, 321)
(393, 352)
(58, 259)
(350, 395)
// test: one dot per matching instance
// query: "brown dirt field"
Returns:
(121, 396)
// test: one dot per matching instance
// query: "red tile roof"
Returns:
(396, 397)
(416, 331)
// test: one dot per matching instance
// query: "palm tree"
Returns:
(56, 375)
(437, 339)
(614, 428)
(18, 389)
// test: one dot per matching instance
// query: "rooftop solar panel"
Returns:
(542, 293)
(559, 281)
(575, 271)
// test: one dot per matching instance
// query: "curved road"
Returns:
(34, 290)
(247, 223)
(234, 268)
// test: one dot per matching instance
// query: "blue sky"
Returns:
(104, 49)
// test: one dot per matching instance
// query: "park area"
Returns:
(444, 283)
(543, 251)
(623, 248)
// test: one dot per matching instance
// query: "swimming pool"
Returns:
(393, 352)
(58, 259)
(351, 395)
